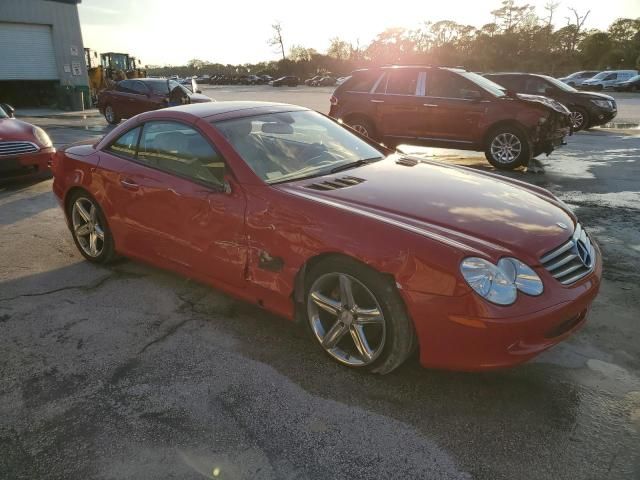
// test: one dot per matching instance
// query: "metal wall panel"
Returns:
(26, 52)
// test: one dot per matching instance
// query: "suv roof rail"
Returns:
(460, 67)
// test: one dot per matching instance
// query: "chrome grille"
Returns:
(572, 260)
(17, 148)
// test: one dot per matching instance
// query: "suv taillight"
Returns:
(334, 100)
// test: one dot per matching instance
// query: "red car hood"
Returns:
(12, 129)
(476, 212)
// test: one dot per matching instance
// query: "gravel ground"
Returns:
(129, 372)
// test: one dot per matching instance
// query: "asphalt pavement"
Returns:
(130, 372)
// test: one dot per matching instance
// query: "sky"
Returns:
(171, 32)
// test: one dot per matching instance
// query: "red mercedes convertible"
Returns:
(25, 150)
(378, 253)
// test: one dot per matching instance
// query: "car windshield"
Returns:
(173, 84)
(484, 83)
(287, 146)
(558, 84)
(3, 114)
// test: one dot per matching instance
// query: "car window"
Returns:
(449, 85)
(178, 148)
(126, 144)
(161, 88)
(511, 82)
(361, 82)
(612, 76)
(535, 86)
(402, 82)
(139, 87)
(382, 84)
(291, 145)
(124, 86)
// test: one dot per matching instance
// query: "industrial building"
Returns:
(42, 57)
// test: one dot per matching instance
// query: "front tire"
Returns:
(579, 119)
(89, 229)
(111, 116)
(507, 148)
(357, 316)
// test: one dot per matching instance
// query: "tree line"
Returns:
(516, 40)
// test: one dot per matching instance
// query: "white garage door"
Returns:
(26, 52)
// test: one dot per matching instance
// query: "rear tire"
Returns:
(507, 148)
(110, 115)
(363, 126)
(356, 315)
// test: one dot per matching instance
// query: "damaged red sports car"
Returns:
(376, 252)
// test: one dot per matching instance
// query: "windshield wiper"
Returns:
(357, 163)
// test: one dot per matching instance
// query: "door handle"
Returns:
(129, 184)
(430, 105)
(377, 101)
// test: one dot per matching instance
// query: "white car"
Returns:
(607, 79)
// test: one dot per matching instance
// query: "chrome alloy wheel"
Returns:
(506, 148)
(109, 115)
(577, 120)
(86, 227)
(346, 319)
(361, 129)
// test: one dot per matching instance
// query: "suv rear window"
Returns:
(361, 82)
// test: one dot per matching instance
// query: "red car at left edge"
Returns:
(25, 149)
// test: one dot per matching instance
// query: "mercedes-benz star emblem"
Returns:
(583, 253)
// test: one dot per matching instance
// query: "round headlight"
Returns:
(525, 279)
(500, 283)
(42, 137)
(489, 281)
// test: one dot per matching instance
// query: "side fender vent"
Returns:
(336, 183)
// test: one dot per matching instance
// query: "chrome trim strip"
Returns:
(563, 248)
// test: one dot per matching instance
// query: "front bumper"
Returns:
(28, 165)
(600, 116)
(466, 333)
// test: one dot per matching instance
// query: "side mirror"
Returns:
(9, 109)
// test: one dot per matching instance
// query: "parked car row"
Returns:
(239, 79)
(621, 80)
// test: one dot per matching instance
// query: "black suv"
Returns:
(588, 109)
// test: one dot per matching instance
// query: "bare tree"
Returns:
(551, 8)
(579, 19)
(576, 26)
(276, 40)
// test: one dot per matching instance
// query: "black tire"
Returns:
(106, 246)
(580, 119)
(398, 340)
(110, 115)
(503, 163)
(363, 126)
